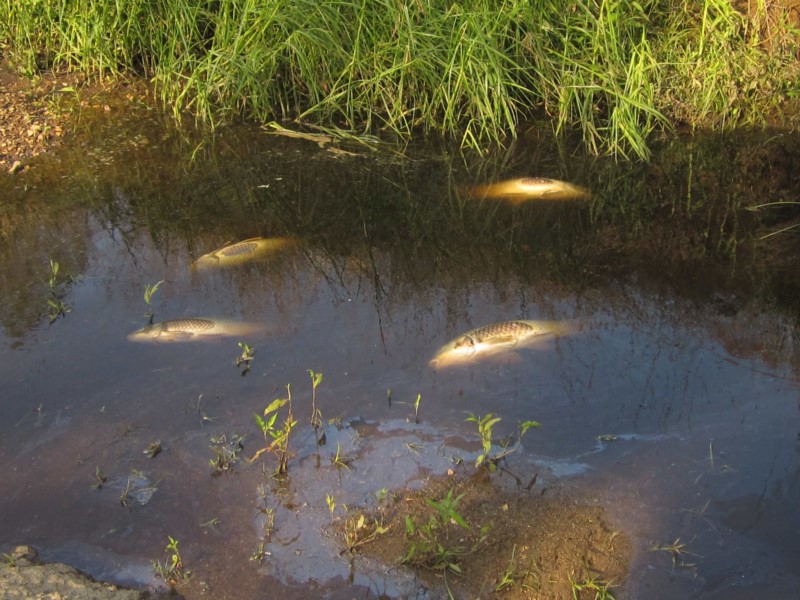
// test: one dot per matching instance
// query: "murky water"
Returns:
(674, 404)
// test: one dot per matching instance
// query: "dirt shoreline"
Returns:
(23, 577)
(37, 113)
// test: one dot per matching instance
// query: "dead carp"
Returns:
(192, 329)
(531, 188)
(496, 338)
(250, 250)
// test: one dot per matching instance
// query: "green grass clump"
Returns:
(614, 70)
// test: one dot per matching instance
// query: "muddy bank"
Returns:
(23, 577)
(36, 113)
(469, 538)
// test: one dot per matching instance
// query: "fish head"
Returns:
(205, 262)
(463, 349)
(146, 334)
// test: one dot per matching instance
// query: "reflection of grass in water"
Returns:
(782, 229)
(58, 288)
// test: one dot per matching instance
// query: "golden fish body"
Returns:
(531, 188)
(250, 250)
(497, 338)
(193, 329)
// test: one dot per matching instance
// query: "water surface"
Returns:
(674, 404)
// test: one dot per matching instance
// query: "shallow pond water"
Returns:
(673, 404)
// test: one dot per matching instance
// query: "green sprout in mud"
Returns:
(330, 500)
(358, 531)
(512, 576)
(415, 404)
(589, 585)
(434, 545)
(260, 554)
(172, 570)
(226, 453)
(486, 425)
(149, 290)
(279, 436)
(316, 413)
(245, 358)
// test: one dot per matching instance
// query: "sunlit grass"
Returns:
(614, 70)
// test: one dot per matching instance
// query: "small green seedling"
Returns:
(358, 532)
(226, 453)
(316, 413)
(149, 290)
(260, 554)
(411, 418)
(591, 584)
(512, 576)
(245, 358)
(486, 425)
(173, 570)
(434, 544)
(279, 436)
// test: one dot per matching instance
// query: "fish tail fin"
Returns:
(556, 328)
